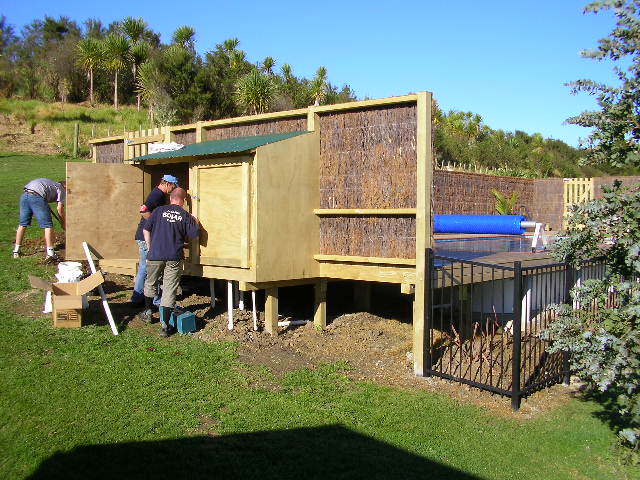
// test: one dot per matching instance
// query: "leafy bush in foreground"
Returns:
(604, 341)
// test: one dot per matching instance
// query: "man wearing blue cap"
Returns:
(156, 198)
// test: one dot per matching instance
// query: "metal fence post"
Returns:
(569, 278)
(428, 304)
(516, 366)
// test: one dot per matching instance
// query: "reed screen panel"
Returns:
(111, 152)
(186, 137)
(265, 127)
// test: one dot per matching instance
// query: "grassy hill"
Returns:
(33, 126)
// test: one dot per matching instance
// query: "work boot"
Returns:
(165, 316)
(52, 259)
(147, 316)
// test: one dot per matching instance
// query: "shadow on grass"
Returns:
(73, 117)
(610, 414)
(309, 453)
(14, 155)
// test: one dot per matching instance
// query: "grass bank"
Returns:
(100, 120)
(86, 404)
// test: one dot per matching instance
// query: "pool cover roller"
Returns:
(496, 224)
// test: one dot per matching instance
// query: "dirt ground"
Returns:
(16, 135)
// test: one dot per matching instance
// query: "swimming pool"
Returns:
(471, 248)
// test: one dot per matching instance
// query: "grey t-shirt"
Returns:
(51, 191)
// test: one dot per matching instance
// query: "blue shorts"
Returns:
(30, 205)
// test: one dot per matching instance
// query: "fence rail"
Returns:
(484, 323)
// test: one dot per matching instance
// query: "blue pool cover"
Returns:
(494, 224)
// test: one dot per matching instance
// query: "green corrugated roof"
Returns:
(216, 147)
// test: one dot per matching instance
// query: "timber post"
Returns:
(424, 180)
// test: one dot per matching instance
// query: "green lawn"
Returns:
(86, 404)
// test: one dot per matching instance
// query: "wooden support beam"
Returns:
(375, 260)
(144, 140)
(313, 120)
(168, 136)
(424, 182)
(271, 311)
(407, 288)
(320, 307)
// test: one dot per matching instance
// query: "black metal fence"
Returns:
(484, 322)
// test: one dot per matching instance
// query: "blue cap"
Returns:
(170, 179)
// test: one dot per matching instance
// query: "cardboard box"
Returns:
(67, 298)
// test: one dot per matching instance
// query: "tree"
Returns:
(616, 135)
(605, 344)
(90, 56)
(319, 85)
(255, 92)
(116, 53)
(139, 55)
(134, 29)
(267, 65)
(184, 37)
(151, 88)
(8, 46)
(94, 29)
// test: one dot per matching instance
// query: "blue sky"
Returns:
(506, 60)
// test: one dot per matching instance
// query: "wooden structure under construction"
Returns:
(302, 196)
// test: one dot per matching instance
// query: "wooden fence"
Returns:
(576, 190)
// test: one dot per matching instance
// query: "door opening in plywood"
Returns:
(223, 208)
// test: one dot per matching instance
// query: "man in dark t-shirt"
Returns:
(166, 231)
(156, 198)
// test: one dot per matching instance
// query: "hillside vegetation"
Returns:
(57, 72)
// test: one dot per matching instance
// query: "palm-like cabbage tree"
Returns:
(117, 53)
(319, 86)
(184, 37)
(267, 65)
(149, 86)
(139, 55)
(238, 57)
(90, 57)
(135, 29)
(287, 72)
(230, 44)
(255, 92)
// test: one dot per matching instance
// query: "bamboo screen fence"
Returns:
(368, 160)
(257, 128)
(110, 152)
